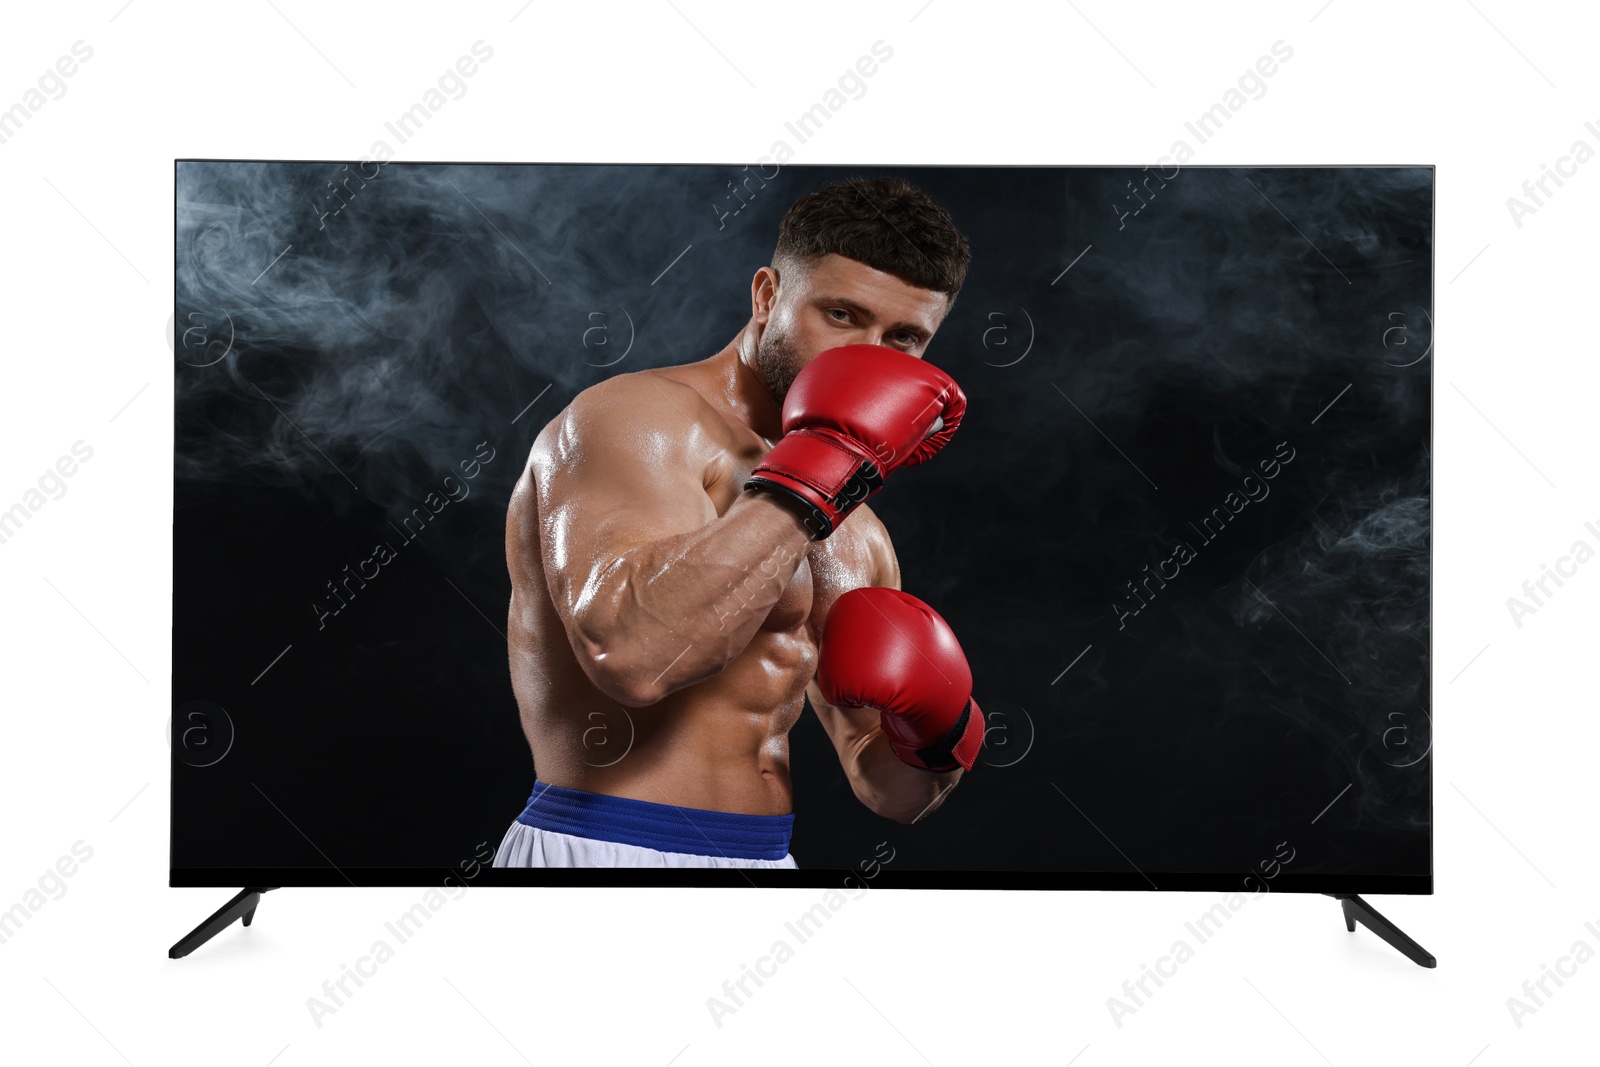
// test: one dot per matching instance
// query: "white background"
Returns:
(1490, 91)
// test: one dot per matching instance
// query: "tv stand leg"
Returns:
(241, 907)
(1357, 910)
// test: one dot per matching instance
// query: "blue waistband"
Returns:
(663, 827)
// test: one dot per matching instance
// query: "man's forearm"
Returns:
(893, 788)
(676, 611)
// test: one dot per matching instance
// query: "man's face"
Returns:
(837, 302)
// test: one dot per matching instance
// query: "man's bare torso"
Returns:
(721, 743)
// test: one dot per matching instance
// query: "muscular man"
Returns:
(690, 559)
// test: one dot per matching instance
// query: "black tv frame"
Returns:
(1345, 888)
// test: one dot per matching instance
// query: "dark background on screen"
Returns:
(1275, 690)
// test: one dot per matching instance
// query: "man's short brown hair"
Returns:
(886, 223)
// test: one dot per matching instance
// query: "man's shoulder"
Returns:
(630, 407)
(641, 394)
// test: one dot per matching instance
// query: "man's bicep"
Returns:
(616, 473)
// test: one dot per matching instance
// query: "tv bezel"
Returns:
(823, 877)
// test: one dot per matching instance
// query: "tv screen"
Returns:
(1016, 527)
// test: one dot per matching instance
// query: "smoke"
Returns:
(1213, 301)
(385, 319)
(1239, 310)
(1353, 587)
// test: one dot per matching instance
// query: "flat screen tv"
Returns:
(921, 527)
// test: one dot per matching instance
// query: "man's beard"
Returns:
(777, 362)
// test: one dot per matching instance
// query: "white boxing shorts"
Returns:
(571, 828)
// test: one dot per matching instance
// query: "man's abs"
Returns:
(721, 744)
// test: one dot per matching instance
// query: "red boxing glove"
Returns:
(885, 649)
(852, 416)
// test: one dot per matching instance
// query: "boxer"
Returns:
(692, 557)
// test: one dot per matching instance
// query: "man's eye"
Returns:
(840, 311)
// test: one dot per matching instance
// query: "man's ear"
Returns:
(763, 293)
